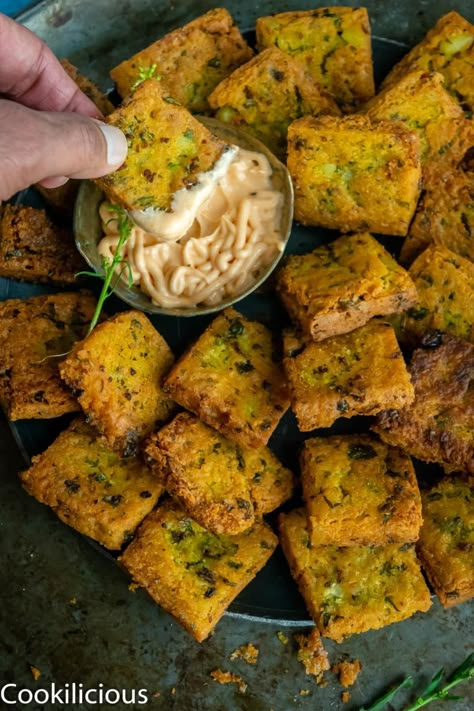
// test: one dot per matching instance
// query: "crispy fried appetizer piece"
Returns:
(354, 589)
(359, 491)
(117, 372)
(265, 95)
(439, 425)
(445, 286)
(33, 332)
(446, 542)
(91, 488)
(444, 216)
(332, 43)
(351, 174)
(231, 378)
(312, 654)
(191, 61)
(448, 48)
(357, 373)
(32, 248)
(88, 88)
(220, 484)
(192, 573)
(342, 285)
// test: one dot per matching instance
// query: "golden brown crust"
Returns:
(312, 654)
(347, 672)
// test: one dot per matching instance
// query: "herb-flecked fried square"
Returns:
(190, 61)
(448, 48)
(359, 491)
(352, 174)
(332, 43)
(447, 539)
(192, 573)
(353, 589)
(265, 95)
(439, 425)
(167, 150)
(33, 248)
(117, 371)
(341, 286)
(88, 87)
(91, 488)
(232, 379)
(357, 373)
(221, 484)
(33, 333)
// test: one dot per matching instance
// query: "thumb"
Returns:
(39, 145)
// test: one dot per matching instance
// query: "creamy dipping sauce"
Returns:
(214, 243)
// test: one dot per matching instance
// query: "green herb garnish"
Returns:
(143, 74)
(388, 696)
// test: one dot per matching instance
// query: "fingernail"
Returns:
(116, 143)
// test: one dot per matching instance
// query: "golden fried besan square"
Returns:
(91, 488)
(341, 286)
(167, 150)
(190, 61)
(359, 491)
(353, 589)
(350, 174)
(117, 371)
(357, 373)
(447, 539)
(332, 43)
(192, 573)
(232, 379)
(221, 484)
(266, 94)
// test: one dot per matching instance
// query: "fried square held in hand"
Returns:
(33, 333)
(352, 174)
(439, 425)
(91, 488)
(232, 379)
(332, 43)
(342, 285)
(359, 491)
(192, 573)
(265, 95)
(190, 61)
(353, 589)
(446, 542)
(117, 371)
(357, 373)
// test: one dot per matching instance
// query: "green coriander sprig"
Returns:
(388, 696)
(143, 74)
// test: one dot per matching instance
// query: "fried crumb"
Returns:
(347, 671)
(225, 677)
(73, 601)
(304, 692)
(311, 653)
(247, 652)
(133, 587)
(173, 691)
(36, 672)
(320, 681)
(283, 638)
(345, 696)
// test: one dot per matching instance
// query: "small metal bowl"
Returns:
(88, 230)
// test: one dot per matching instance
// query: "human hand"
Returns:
(49, 130)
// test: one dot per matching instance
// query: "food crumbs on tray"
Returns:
(345, 697)
(36, 673)
(304, 692)
(73, 601)
(225, 677)
(133, 587)
(173, 691)
(247, 652)
(312, 654)
(282, 637)
(347, 671)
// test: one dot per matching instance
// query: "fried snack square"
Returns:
(359, 491)
(439, 425)
(332, 43)
(167, 150)
(447, 539)
(33, 248)
(266, 94)
(33, 333)
(232, 379)
(350, 174)
(444, 217)
(190, 61)
(447, 48)
(220, 484)
(91, 488)
(357, 373)
(117, 372)
(88, 87)
(353, 589)
(192, 573)
(341, 286)
(445, 286)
